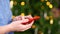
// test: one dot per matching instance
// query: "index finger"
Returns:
(30, 24)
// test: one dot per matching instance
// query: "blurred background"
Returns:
(48, 10)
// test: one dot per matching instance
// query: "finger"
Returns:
(29, 15)
(25, 20)
(22, 21)
(19, 21)
(23, 28)
(26, 28)
(29, 24)
(17, 18)
(26, 17)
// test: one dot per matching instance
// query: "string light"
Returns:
(50, 6)
(33, 26)
(22, 3)
(47, 18)
(11, 4)
(22, 14)
(51, 21)
(47, 3)
(46, 0)
(15, 3)
(13, 17)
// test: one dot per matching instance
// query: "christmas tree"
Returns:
(47, 24)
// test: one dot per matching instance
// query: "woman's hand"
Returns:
(18, 26)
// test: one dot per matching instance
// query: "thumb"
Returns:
(22, 21)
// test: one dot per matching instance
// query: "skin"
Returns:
(16, 26)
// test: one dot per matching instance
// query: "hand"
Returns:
(17, 18)
(18, 26)
(22, 17)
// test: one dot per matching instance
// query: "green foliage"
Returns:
(34, 7)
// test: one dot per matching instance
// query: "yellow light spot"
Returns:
(47, 18)
(47, 3)
(51, 21)
(22, 14)
(13, 17)
(15, 3)
(50, 6)
(46, 0)
(22, 3)
(33, 26)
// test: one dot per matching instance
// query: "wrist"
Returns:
(10, 27)
(5, 29)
